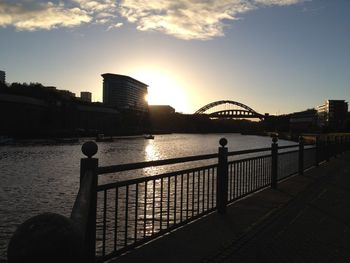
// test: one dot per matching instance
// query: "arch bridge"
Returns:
(243, 111)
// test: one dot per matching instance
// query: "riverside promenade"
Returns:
(306, 219)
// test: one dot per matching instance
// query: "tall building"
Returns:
(124, 92)
(332, 113)
(2, 76)
(85, 96)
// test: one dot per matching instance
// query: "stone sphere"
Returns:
(223, 142)
(274, 137)
(47, 237)
(89, 148)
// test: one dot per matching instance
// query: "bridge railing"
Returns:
(113, 218)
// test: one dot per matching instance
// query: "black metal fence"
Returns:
(116, 217)
(132, 212)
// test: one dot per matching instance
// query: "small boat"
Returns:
(101, 138)
(149, 136)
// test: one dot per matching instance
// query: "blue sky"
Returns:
(276, 56)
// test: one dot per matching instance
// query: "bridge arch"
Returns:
(248, 112)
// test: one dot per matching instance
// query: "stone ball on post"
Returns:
(89, 148)
(301, 139)
(274, 137)
(47, 237)
(223, 142)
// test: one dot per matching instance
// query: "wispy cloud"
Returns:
(31, 16)
(184, 19)
(102, 11)
(190, 19)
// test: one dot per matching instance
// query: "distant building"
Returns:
(2, 76)
(303, 120)
(85, 96)
(124, 92)
(161, 109)
(332, 113)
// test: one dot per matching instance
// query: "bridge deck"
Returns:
(305, 220)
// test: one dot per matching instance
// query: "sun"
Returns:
(163, 89)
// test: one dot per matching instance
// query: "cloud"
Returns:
(102, 11)
(31, 16)
(190, 19)
(184, 19)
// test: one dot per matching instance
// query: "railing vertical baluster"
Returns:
(193, 177)
(274, 161)
(181, 198)
(246, 176)
(136, 211)
(212, 186)
(104, 223)
(175, 199)
(116, 218)
(161, 205)
(187, 194)
(126, 215)
(222, 178)
(230, 181)
(153, 204)
(198, 191)
(301, 156)
(145, 211)
(203, 191)
(168, 204)
(208, 189)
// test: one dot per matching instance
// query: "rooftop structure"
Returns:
(85, 96)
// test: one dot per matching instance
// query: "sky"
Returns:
(276, 56)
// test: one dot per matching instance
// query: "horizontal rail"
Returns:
(140, 165)
(152, 178)
(249, 151)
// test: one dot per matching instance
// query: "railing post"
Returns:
(222, 178)
(301, 155)
(90, 164)
(327, 148)
(318, 150)
(274, 161)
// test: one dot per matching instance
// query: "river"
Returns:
(45, 178)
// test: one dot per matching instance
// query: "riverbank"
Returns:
(304, 220)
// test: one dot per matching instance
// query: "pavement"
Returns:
(305, 220)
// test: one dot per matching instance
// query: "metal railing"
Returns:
(119, 216)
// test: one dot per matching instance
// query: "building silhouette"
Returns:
(2, 76)
(124, 92)
(85, 96)
(332, 113)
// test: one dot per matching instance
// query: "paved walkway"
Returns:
(305, 220)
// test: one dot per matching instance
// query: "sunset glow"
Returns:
(163, 89)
